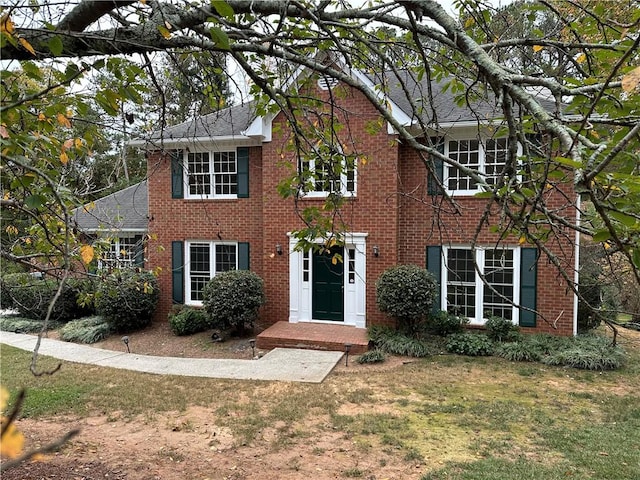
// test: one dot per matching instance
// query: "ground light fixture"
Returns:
(347, 349)
(252, 344)
(125, 340)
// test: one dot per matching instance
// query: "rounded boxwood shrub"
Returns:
(406, 293)
(127, 299)
(471, 344)
(501, 330)
(31, 297)
(85, 330)
(232, 299)
(187, 321)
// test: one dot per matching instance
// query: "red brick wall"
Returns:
(401, 225)
(429, 220)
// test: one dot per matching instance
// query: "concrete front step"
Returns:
(317, 336)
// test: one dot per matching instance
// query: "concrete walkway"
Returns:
(284, 364)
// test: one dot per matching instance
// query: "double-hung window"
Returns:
(124, 252)
(203, 261)
(466, 292)
(212, 175)
(487, 158)
(323, 176)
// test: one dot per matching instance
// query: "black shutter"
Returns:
(242, 158)
(528, 286)
(243, 256)
(177, 272)
(436, 176)
(434, 263)
(177, 174)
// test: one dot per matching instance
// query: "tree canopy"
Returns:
(583, 57)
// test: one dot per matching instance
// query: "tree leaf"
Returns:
(537, 48)
(601, 236)
(27, 46)
(220, 37)
(87, 253)
(623, 218)
(581, 58)
(164, 31)
(55, 46)
(631, 80)
(223, 8)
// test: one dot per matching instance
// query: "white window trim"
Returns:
(481, 162)
(212, 196)
(120, 261)
(343, 182)
(212, 265)
(479, 318)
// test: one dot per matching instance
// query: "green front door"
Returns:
(327, 290)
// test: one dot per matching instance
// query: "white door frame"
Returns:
(355, 293)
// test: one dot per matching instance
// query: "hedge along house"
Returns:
(215, 205)
(121, 219)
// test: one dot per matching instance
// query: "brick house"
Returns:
(214, 206)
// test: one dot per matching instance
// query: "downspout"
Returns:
(576, 273)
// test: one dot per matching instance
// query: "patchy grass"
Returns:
(446, 417)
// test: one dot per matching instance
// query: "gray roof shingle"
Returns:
(127, 209)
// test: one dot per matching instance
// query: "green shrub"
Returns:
(444, 323)
(372, 356)
(501, 330)
(546, 344)
(127, 299)
(188, 321)
(396, 343)
(31, 297)
(17, 324)
(232, 299)
(406, 293)
(588, 352)
(85, 330)
(518, 352)
(471, 344)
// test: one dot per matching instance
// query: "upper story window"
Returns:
(488, 158)
(322, 176)
(212, 175)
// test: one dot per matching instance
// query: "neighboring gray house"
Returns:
(123, 219)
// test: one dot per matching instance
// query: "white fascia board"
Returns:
(225, 140)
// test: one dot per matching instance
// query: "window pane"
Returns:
(225, 173)
(199, 268)
(225, 258)
(199, 174)
(495, 159)
(465, 152)
(461, 282)
(498, 268)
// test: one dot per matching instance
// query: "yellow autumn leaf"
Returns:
(470, 21)
(68, 143)
(607, 245)
(631, 80)
(537, 48)
(12, 442)
(334, 260)
(78, 143)
(41, 117)
(6, 25)
(64, 158)
(581, 58)
(87, 253)
(164, 31)
(522, 240)
(11, 230)
(63, 120)
(27, 46)
(144, 2)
